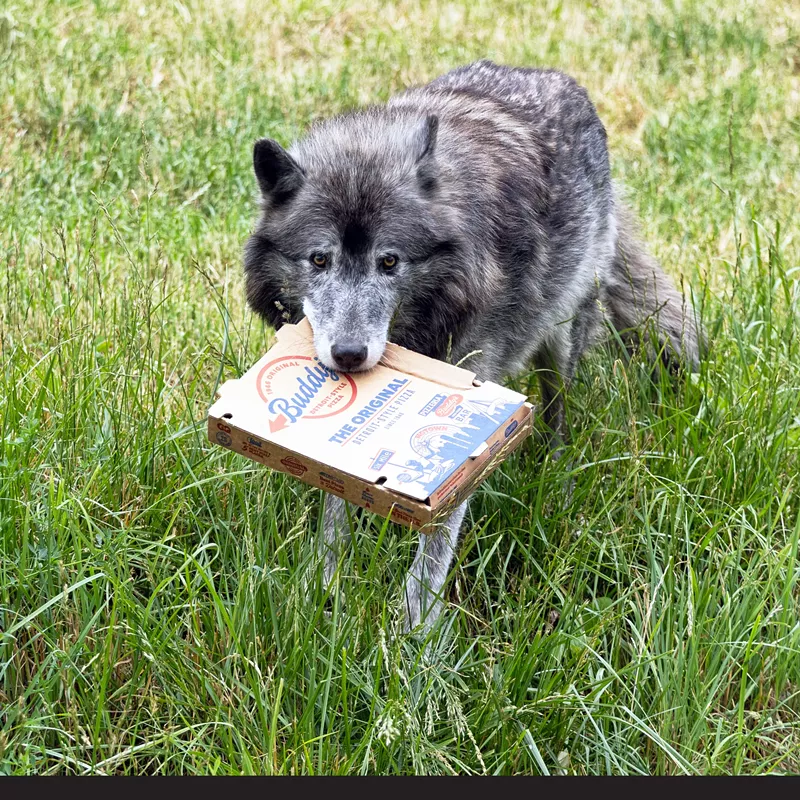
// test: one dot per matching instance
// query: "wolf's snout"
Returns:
(349, 356)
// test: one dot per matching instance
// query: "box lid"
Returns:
(407, 424)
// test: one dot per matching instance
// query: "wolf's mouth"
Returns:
(345, 350)
(351, 360)
(349, 354)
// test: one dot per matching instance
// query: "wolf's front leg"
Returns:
(425, 579)
(335, 530)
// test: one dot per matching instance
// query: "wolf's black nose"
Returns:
(349, 356)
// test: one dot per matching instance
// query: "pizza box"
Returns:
(408, 441)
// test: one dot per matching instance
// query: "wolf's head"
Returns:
(350, 224)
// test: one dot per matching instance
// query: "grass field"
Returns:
(152, 617)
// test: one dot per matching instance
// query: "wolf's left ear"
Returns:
(278, 174)
(424, 147)
(425, 137)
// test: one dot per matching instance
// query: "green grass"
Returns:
(152, 605)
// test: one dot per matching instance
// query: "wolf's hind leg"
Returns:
(425, 579)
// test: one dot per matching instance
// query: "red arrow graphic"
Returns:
(277, 424)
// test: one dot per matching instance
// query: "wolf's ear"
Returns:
(424, 147)
(425, 137)
(278, 174)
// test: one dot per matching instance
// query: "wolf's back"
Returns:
(641, 300)
(523, 87)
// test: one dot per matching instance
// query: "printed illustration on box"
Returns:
(442, 447)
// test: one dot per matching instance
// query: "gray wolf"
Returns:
(471, 219)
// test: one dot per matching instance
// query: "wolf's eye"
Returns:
(389, 262)
(319, 260)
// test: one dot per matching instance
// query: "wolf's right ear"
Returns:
(425, 137)
(278, 174)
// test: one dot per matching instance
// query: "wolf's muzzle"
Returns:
(349, 355)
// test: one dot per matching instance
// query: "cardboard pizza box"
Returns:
(408, 441)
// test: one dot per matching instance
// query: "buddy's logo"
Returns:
(295, 387)
(295, 467)
(449, 405)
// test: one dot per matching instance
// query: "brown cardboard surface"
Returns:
(407, 439)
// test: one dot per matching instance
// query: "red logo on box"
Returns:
(297, 387)
(295, 467)
(448, 405)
